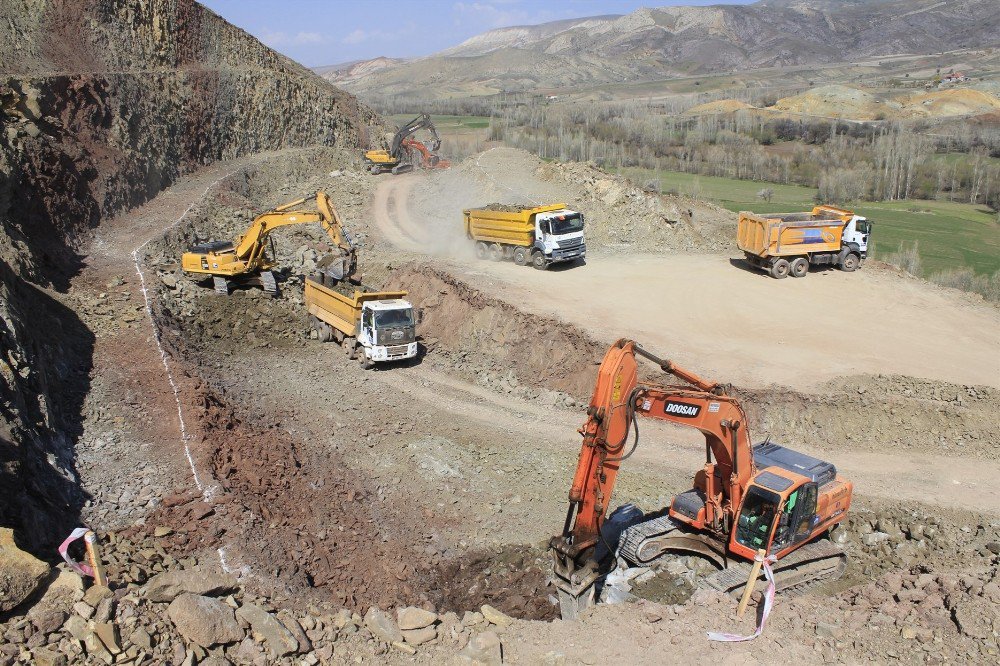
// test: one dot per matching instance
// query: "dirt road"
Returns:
(712, 313)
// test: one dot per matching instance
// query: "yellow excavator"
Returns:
(247, 261)
(402, 154)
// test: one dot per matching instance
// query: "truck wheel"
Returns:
(521, 256)
(850, 263)
(800, 267)
(482, 250)
(779, 269)
(325, 332)
(496, 252)
(538, 260)
(349, 348)
(366, 362)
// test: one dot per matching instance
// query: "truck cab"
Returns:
(387, 330)
(856, 234)
(559, 235)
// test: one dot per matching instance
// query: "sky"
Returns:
(327, 32)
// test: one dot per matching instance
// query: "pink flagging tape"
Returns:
(78, 567)
(768, 605)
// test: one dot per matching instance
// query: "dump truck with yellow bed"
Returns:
(540, 235)
(372, 326)
(786, 244)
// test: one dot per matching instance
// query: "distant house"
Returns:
(954, 77)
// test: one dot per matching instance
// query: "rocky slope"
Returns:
(675, 41)
(103, 104)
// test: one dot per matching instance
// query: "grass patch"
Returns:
(949, 235)
(447, 124)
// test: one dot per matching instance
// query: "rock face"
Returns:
(103, 104)
(204, 620)
(20, 573)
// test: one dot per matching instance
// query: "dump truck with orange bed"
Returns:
(785, 244)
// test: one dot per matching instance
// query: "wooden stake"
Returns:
(94, 554)
(758, 562)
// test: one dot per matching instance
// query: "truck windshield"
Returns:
(566, 224)
(393, 318)
(864, 227)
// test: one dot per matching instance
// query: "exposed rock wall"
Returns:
(104, 103)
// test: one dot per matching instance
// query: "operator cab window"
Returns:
(754, 526)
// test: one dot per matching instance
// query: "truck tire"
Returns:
(349, 348)
(520, 256)
(375, 169)
(799, 267)
(538, 260)
(325, 332)
(496, 252)
(482, 250)
(366, 362)
(850, 263)
(780, 269)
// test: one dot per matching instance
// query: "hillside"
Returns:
(651, 44)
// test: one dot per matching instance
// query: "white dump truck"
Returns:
(372, 326)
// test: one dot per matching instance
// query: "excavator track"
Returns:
(813, 563)
(268, 282)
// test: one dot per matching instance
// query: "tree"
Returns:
(765, 193)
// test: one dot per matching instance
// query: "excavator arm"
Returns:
(423, 121)
(618, 397)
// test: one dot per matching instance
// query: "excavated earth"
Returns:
(221, 451)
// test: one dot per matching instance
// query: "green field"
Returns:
(447, 124)
(949, 235)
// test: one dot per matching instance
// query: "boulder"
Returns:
(382, 625)
(419, 636)
(168, 586)
(20, 573)
(484, 649)
(412, 617)
(203, 620)
(271, 631)
(493, 616)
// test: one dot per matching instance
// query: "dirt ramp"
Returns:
(486, 338)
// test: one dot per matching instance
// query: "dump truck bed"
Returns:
(341, 311)
(792, 234)
(513, 225)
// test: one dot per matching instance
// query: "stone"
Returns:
(67, 584)
(76, 627)
(472, 619)
(141, 639)
(993, 547)
(21, 573)
(484, 649)
(162, 530)
(108, 633)
(403, 647)
(96, 594)
(420, 636)
(83, 610)
(382, 625)
(412, 617)
(273, 633)
(248, 652)
(493, 616)
(49, 622)
(203, 620)
(295, 629)
(46, 657)
(341, 618)
(169, 281)
(166, 587)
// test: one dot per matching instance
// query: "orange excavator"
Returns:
(745, 499)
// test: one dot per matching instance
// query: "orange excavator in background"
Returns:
(400, 156)
(745, 498)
